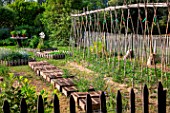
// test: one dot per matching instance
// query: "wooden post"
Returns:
(40, 105)
(6, 108)
(119, 102)
(145, 99)
(23, 106)
(161, 99)
(88, 104)
(132, 101)
(103, 103)
(56, 104)
(72, 105)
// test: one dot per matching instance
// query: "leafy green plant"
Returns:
(82, 85)
(4, 70)
(13, 33)
(23, 32)
(34, 42)
(99, 83)
(66, 73)
(13, 93)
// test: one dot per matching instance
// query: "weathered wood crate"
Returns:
(15, 62)
(38, 69)
(63, 82)
(95, 104)
(80, 99)
(70, 89)
(32, 64)
(50, 75)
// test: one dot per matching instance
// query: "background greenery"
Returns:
(53, 18)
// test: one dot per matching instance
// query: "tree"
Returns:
(26, 11)
(7, 18)
(57, 21)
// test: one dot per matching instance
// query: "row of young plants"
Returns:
(83, 83)
(59, 52)
(118, 68)
(14, 88)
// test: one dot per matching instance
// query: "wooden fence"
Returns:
(40, 108)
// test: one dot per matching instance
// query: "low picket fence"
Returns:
(161, 105)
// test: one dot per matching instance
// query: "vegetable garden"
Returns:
(108, 59)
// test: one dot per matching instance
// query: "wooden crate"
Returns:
(50, 77)
(40, 67)
(82, 95)
(44, 67)
(95, 103)
(35, 63)
(68, 90)
(53, 81)
(51, 72)
(63, 82)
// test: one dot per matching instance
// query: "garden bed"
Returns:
(15, 62)
(53, 54)
(10, 57)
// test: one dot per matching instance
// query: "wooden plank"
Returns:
(82, 95)
(47, 75)
(95, 103)
(62, 82)
(37, 63)
(53, 81)
(50, 77)
(44, 67)
(68, 90)
(111, 8)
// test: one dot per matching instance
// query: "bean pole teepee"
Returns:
(103, 34)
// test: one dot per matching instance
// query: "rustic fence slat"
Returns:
(88, 104)
(164, 100)
(161, 99)
(72, 105)
(132, 101)
(23, 106)
(145, 99)
(103, 103)
(56, 104)
(6, 107)
(118, 102)
(40, 106)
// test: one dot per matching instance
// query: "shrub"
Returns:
(15, 92)
(34, 42)
(4, 33)
(8, 17)
(7, 42)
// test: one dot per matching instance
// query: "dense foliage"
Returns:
(7, 18)
(57, 20)
(53, 17)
